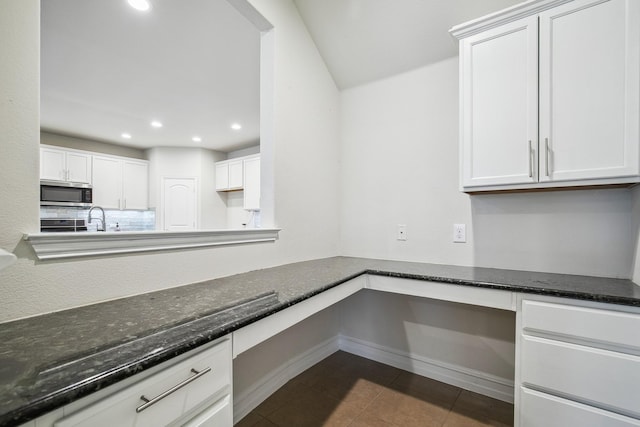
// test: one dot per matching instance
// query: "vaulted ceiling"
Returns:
(366, 40)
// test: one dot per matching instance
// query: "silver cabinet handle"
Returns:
(530, 160)
(546, 154)
(149, 402)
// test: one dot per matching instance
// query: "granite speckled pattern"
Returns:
(51, 360)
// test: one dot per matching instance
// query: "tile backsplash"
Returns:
(128, 220)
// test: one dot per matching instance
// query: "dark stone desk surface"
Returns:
(51, 360)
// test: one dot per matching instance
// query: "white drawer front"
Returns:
(599, 377)
(120, 408)
(539, 409)
(595, 325)
(220, 414)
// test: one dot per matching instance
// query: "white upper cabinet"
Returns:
(229, 175)
(60, 164)
(569, 118)
(120, 182)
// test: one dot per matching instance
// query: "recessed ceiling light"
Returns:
(126, 135)
(142, 5)
(196, 139)
(236, 126)
(156, 124)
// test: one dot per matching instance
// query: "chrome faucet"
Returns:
(104, 226)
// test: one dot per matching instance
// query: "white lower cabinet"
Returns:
(550, 411)
(218, 414)
(577, 364)
(194, 391)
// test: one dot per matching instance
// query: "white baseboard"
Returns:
(270, 383)
(468, 379)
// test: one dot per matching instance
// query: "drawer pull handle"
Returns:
(150, 402)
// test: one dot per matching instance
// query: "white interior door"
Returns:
(179, 204)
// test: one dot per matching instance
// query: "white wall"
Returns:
(78, 143)
(244, 152)
(400, 166)
(301, 130)
(464, 336)
(236, 214)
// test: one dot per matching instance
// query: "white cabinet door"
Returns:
(499, 105)
(78, 167)
(107, 182)
(222, 176)
(235, 175)
(52, 164)
(219, 414)
(252, 184)
(589, 90)
(135, 185)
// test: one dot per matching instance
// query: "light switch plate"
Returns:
(459, 233)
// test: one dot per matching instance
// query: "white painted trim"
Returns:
(269, 384)
(255, 333)
(468, 379)
(510, 14)
(51, 246)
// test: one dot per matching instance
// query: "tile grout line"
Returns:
(444, 422)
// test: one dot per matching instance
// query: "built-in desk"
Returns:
(60, 358)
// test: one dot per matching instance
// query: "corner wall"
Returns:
(400, 166)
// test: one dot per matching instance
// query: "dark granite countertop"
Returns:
(51, 360)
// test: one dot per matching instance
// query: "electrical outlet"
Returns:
(402, 232)
(459, 233)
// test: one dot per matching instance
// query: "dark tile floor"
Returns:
(348, 390)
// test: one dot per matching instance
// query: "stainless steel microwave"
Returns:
(58, 193)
